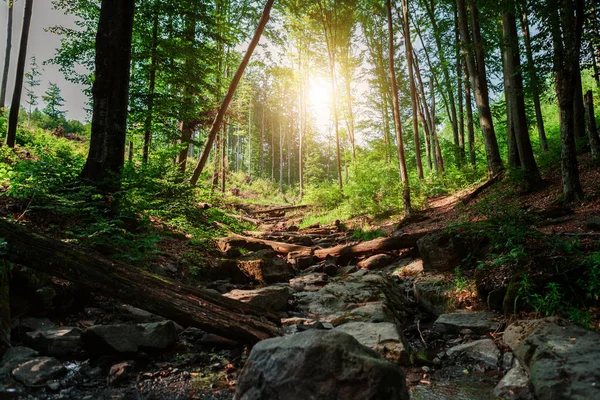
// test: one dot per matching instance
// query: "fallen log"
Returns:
(473, 195)
(244, 218)
(285, 208)
(185, 305)
(278, 247)
(398, 242)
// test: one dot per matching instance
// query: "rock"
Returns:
(230, 246)
(13, 357)
(384, 338)
(484, 350)
(508, 361)
(35, 324)
(138, 315)
(347, 270)
(411, 269)
(300, 260)
(211, 340)
(129, 338)
(272, 298)
(441, 251)
(265, 267)
(120, 372)
(330, 266)
(377, 261)
(593, 224)
(370, 312)
(478, 322)
(45, 297)
(433, 292)
(57, 342)
(562, 359)
(39, 371)
(514, 385)
(310, 282)
(318, 365)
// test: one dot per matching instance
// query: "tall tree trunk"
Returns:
(15, 104)
(535, 88)
(470, 124)
(347, 74)
(479, 84)
(459, 74)
(261, 147)
(413, 87)
(110, 90)
(152, 90)
(578, 108)
(396, 111)
(436, 141)
(591, 125)
(566, 23)
(516, 95)
(281, 134)
(232, 88)
(424, 110)
(9, 26)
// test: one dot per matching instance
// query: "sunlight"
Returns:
(319, 102)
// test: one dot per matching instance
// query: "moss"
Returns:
(512, 293)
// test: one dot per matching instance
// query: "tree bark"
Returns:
(15, 105)
(535, 89)
(434, 135)
(9, 26)
(591, 125)
(232, 88)
(424, 111)
(470, 124)
(185, 305)
(110, 92)
(479, 83)
(152, 90)
(516, 95)
(578, 108)
(396, 110)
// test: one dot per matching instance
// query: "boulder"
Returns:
(265, 267)
(13, 357)
(100, 339)
(38, 371)
(478, 322)
(35, 324)
(230, 246)
(120, 372)
(370, 312)
(318, 365)
(377, 261)
(514, 385)
(138, 315)
(441, 251)
(383, 337)
(272, 298)
(562, 358)
(484, 350)
(310, 282)
(433, 292)
(56, 342)
(300, 260)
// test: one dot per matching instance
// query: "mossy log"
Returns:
(183, 304)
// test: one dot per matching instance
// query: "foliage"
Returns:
(54, 101)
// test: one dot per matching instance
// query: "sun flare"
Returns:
(319, 93)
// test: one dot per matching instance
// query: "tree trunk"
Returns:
(185, 305)
(15, 105)
(479, 83)
(470, 124)
(396, 110)
(566, 23)
(413, 87)
(514, 91)
(424, 110)
(152, 90)
(591, 125)
(578, 108)
(232, 88)
(535, 89)
(434, 135)
(110, 91)
(9, 26)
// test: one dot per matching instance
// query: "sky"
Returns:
(42, 45)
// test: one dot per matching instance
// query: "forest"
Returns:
(328, 199)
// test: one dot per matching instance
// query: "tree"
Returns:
(31, 83)
(396, 110)
(15, 105)
(54, 101)
(477, 75)
(9, 26)
(110, 93)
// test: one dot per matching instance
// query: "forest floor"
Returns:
(204, 366)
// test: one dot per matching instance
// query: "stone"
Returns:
(441, 251)
(411, 268)
(318, 365)
(13, 357)
(129, 338)
(138, 315)
(383, 337)
(120, 372)
(377, 261)
(514, 385)
(230, 246)
(38, 371)
(310, 282)
(300, 260)
(484, 350)
(265, 267)
(56, 342)
(478, 322)
(562, 358)
(347, 270)
(508, 361)
(271, 298)
(35, 324)
(433, 292)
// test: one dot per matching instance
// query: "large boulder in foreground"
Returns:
(318, 365)
(441, 251)
(562, 359)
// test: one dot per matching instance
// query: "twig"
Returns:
(26, 208)
(421, 333)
